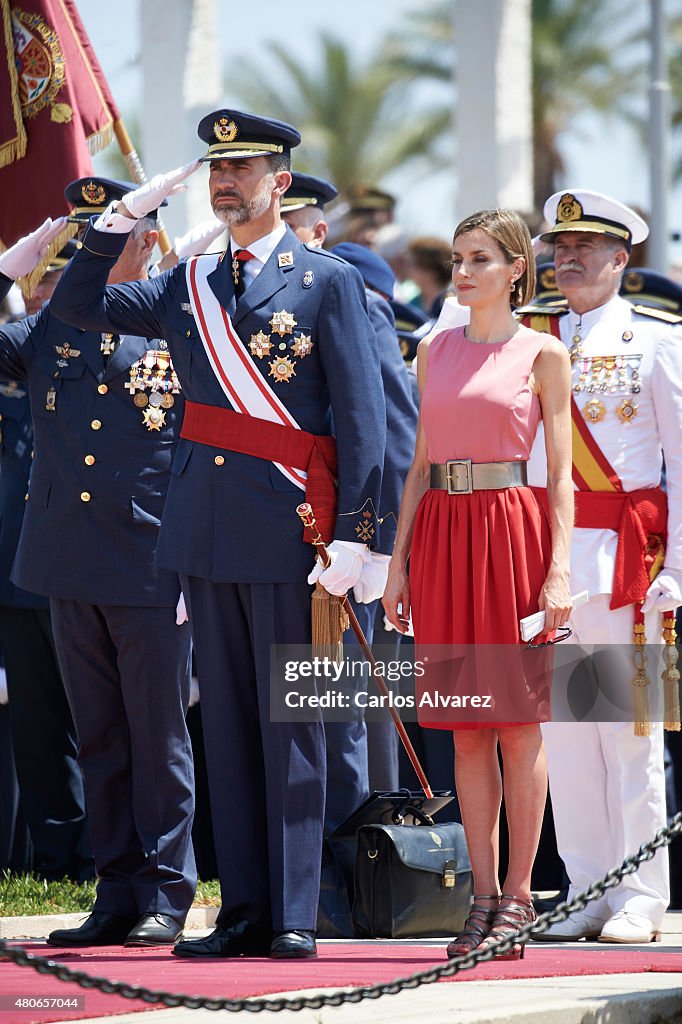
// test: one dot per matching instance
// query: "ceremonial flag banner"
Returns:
(55, 111)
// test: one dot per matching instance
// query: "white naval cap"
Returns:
(583, 210)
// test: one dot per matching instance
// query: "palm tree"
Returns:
(574, 70)
(353, 117)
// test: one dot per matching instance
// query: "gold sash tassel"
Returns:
(670, 675)
(640, 684)
(329, 623)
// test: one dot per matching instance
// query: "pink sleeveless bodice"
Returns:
(477, 403)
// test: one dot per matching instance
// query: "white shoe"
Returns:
(578, 925)
(628, 927)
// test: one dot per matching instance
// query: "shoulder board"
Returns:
(658, 314)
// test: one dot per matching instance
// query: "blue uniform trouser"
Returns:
(126, 674)
(266, 779)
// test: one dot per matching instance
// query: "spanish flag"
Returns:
(55, 111)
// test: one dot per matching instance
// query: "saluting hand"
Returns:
(25, 254)
(148, 197)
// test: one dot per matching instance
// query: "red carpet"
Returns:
(339, 965)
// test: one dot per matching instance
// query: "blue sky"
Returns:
(601, 156)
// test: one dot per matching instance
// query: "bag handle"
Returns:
(422, 817)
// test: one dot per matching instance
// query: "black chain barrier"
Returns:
(646, 851)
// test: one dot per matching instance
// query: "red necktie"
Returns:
(239, 257)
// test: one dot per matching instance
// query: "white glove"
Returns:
(4, 697)
(181, 615)
(665, 593)
(149, 197)
(372, 583)
(25, 254)
(193, 691)
(347, 559)
(196, 241)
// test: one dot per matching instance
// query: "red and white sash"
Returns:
(244, 386)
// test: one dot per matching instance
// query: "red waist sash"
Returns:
(640, 520)
(237, 432)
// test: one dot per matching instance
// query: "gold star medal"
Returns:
(627, 410)
(282, 369)
(260, 345)
(302, 346)
(594, 411)
(282, 322)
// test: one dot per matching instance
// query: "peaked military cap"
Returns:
(583, 210)
(92, 195)
(233, 135)
(306, 190)
(366, 197)
(375, 271)
(649, 288)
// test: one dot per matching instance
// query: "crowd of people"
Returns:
(474, 453)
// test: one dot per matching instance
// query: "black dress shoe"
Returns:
(293, 944)
(240, 939)
(100, 929)
(154, 930)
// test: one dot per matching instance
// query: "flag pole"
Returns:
(137, 173)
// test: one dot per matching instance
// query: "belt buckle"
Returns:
(459, 476)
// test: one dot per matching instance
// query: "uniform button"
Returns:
(85, 496)
(102, 388)
(219, 460)
(96, 424)
(79, 245)
(189, 334)
(89, 460)
(26, 497)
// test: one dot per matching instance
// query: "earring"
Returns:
(512, 284)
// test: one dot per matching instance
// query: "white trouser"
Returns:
(607, 785)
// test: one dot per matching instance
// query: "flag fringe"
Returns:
(15, 149)
(100, 139)
(29, 282)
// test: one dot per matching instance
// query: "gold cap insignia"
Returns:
(568, 209)
(633, 281)
(225, 130)
(93, 194)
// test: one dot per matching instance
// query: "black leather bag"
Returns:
(337, 887)
(411, 881)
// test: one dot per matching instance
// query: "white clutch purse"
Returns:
(531, 625)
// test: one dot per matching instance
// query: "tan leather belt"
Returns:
(462, 476)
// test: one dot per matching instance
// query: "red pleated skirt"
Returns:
(477, 566)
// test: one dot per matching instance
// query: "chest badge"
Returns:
(153, 417)
(627, 410)
(285, 259)
(282, 323)
(308, 279)
(302, 346)
(260, 345)
(108, 344)
(594, 411)
(66, 353)
(282, 370)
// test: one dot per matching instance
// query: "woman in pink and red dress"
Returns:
(484, 554)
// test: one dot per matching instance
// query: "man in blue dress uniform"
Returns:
(105, 411)
(269, 342)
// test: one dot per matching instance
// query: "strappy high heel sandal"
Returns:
(476, 927)
(512, 914)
